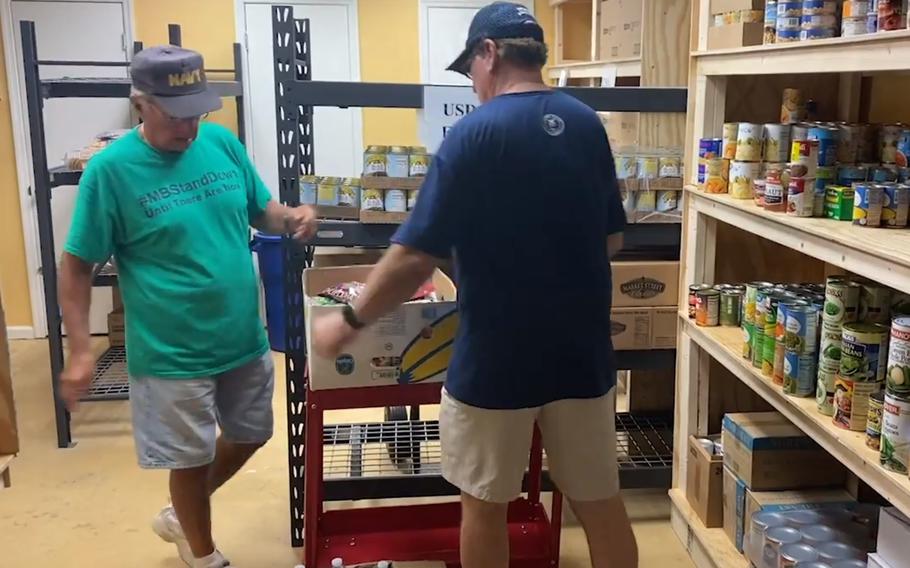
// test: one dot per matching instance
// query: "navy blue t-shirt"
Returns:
(523, 192)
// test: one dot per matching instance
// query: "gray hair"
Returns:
(136, 94)
(526, 53)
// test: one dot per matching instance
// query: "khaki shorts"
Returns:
(485, 452)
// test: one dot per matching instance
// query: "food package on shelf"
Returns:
(650, 181)
(78, 159)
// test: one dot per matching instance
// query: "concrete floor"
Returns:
(89, 506)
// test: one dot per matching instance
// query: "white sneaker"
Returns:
(213, 560)
(167, 527)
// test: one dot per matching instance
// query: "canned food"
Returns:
(831, 552)
(776, 142)
(769, 345)
(872, 22)
(789, 8)
(891, 15)
(851, 403)
(648, 167)
(824, 399)
(851, 27)
(888, 137)
(812, 21)
(742, 176)
(798, 131)
(874, 302)
(895, 206)
(898, 378)
(788, 35)
(693, 302)
(374, 161)
(708, 148)
(792, 555)
(327, 191)
(868, 200)
(627, 166)
(397, 162)
(805, 153)
(707, 305)
(856, 8)
(801, 329)
(418, 161)
(903, 175)
(731, 131)
(793, 108)
(841, 300)
(758, 335)
(748, 330)
(749, 142)
(758, 192)
(750, 300)
(903, 148)
(308, 189)
(864, 352)
(761, 522)
(895, 433)
(775, 194)
(884, 174)
(827, 143)
(412, 198)
(848, 142)
(775, 539)
(731, 302)
(814, 535)
(801, 197)
(349, 193)
(372, 200)
(839, 202)
(396, 200)
(799, 374)
(669, 166)
(811, 7)
(716, 175)
(830, 347)
(817, 33)
(874, 420)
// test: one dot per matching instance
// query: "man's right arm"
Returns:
(75, 300)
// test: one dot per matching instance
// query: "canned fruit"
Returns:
(731, 130)
(898, 377)
(374, 161)
(372, 200)
(749, 142)
(418, 161)
(742, 176)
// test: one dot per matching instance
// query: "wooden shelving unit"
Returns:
(726, 239)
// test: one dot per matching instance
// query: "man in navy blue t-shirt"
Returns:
(523, 194)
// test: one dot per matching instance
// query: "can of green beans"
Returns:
(731, 305)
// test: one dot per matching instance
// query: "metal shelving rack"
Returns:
(356, 466)
(111, 381)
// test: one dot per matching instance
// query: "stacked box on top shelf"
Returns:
(644, 311)
(736, 23)
(392, 177)
(651, 183)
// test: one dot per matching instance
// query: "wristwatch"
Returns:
(351, 318)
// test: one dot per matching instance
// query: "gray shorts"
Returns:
(174, 420)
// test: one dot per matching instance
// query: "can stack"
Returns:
(744, 169)
(770, 31)
(895, 428)
(855, 18)
(818, 20)
(787, 24)
(330, 191)
(841, 306)
(392, 162)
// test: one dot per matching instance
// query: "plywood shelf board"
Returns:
(709, 548)
(880, 254)
(724, 344)
(886, 51)
(594, 69)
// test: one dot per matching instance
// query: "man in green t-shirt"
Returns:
(173, 201)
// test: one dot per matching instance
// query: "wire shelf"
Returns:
(111, 381)
(412, 449)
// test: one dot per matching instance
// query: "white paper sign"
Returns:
(563, 78)
(608, 76)
(442, 108)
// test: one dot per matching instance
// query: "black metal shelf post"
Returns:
(644, 443)
(110, 381)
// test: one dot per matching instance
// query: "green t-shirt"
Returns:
(178, 226)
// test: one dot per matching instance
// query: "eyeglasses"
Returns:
(175, 120)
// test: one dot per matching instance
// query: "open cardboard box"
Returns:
(412, 344)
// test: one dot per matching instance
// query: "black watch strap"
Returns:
(351, 318)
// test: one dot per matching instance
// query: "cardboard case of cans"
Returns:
(651, 182)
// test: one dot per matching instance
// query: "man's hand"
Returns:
(76, 378)
(331, 334)
(300, 222)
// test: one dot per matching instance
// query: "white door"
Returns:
(338, 133)
(443, 31)
(75, 31)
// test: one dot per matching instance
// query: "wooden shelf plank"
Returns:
(708, 548)
(884, 51)
(594, 69)
(724, 344)
(880, 254)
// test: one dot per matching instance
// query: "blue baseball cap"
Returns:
(499, 20)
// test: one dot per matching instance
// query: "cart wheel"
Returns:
(400, 448)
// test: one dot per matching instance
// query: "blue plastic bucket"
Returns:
(270, 250)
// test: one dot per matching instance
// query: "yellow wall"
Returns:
(14, 286)
(389, 52)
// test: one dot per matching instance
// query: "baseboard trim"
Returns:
(20, 332)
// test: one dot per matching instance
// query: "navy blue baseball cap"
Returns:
(175, 79)
(499, 20)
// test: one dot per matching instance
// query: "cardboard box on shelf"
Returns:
(663, 327)
(705, 484)
(735, 35)
(630, 328)
(893, 536)
(721, 6)
(116, 328)
(645, 283)
(621, 127)
(769, 453)
(411, 344)
(620, 29)
(9, 432)
(734, 507)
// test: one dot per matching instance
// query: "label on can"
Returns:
(777, 142)
(899, 357)
(327, 191)
(308, 190)
(412, 198)
(349, 196)
(851, 403)
(749, 142)
(418, 164)
(731, 131)
(895, 433)
(801, 329)
(742, 175)
(374, 160)
(824, 399)
(707, 306)
(829, 348)
(895, 206)
(396, 200)
(774, 196)
(801, 197)
(867, 204)
(371, 200)
(864, 352)
(748, 332)
(799, 374)
(874, 420)
(841, 301)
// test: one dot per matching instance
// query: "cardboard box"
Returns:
(893, 536)
(721, 6)
(640, 283)
(9, 432)
(734, 507)
(411, 344)
(621, 127)
(630, 328)
(735, 35)
(769, 453)
(116, 299)
(663, 327)
(116, 328)
(620, 29)
(876, 561)
(705, 484)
